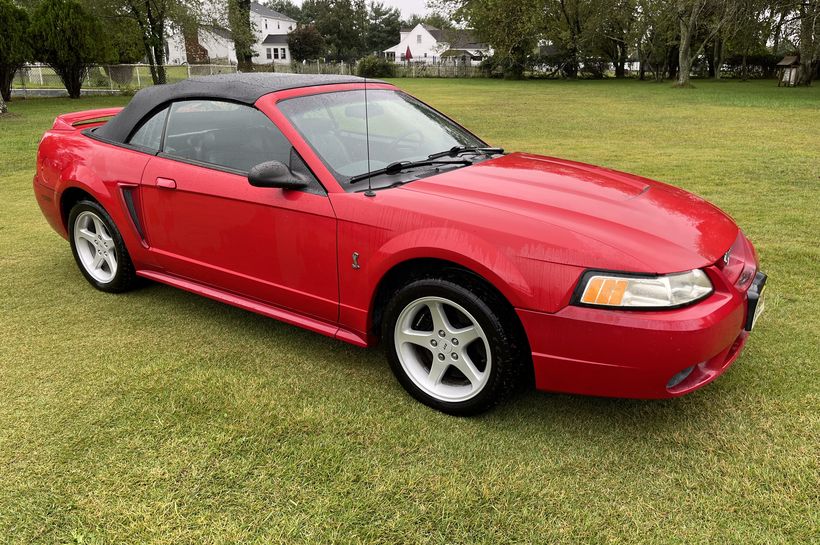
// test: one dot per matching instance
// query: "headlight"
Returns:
(633, 291)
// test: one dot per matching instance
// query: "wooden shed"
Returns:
(788, 71)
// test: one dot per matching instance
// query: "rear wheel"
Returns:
(98, 248)
(452, 347)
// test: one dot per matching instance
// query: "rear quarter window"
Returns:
(149, 135)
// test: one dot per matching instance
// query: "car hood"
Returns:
(661, 228)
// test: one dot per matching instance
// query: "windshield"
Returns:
(401, 129)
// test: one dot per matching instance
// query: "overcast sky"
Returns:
(407, 7)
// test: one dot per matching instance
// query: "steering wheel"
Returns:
(405, 136)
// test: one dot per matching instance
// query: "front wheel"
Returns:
(453, 347)
(98, 248)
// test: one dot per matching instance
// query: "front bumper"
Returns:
(640, 354)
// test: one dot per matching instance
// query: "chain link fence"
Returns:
(40, 79)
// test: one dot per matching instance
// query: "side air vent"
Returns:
(128, 195)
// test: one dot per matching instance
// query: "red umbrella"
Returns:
(407, 55)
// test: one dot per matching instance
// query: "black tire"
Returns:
(508, 347)
(125, 277)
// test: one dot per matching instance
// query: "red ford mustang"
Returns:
(363, 214)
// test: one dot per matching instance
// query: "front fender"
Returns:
(460, 247)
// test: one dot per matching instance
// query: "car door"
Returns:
(204, 221)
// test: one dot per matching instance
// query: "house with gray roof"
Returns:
(428, 44)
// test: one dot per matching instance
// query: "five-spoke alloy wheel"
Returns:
(442, 348)
(451, 345)
(95, 247)
(99, 249)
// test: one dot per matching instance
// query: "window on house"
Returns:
(268, 53)
(266, 24)
(425, 55)
(277, 24)
(282, 53)
(418, 39)
(275, 52)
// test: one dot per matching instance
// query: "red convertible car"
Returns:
(355, 210)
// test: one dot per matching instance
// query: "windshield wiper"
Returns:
(455, 151)
(398, 166)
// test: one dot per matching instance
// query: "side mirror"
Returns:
(275, 174)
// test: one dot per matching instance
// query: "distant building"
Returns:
(428, 44)
(213, 44)
(271, 29)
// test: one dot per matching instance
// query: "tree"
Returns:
(748, 32)
(285, 7)
(511, 27)
(239, 22)
(438, 20)
(383, 27)
(3, 108)
(305, 43)
(126, 44)
(15, 48)
(69, 39)
(342, 24)
(612, 23)
(695, 15)
(152, 18)
(809, 40)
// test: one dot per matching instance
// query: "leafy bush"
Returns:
(69, 39)
(375, 67)
(15, 48)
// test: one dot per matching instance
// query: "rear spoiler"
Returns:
(75, 120)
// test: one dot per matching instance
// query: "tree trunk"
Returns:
(158, 43)
(620, 63)
(3, 108)
(158, 71)
(809, 13)
(684, 55)
(710, 61)
(6, 79)
(717, 57)
(72, 80)
(744, 69)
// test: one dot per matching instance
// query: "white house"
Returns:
(271, 29)
(214, 43)
(428, 44)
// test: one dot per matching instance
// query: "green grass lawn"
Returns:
(162, 417)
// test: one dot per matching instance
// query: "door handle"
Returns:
(166, 183)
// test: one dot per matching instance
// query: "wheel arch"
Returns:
(411, 269)
(69, 197)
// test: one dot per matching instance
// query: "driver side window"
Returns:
(224, 134)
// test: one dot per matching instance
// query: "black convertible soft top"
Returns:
(239, 87)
